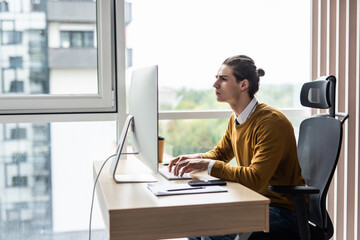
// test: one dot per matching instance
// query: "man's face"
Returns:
(226, 87)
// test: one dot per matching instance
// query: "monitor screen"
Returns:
(141, 123)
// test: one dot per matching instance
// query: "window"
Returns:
(14, 175)
(41, 132)
(15, 131)
(58, 163)
(77, 39)
(68, 66)
(11, 37)
(37, 5)
(19, 181)
(196, 135)
(16, 62)
(39, 83)
(35, 157)
(189, 51)
(41, 185)
(22, 6)
(18, 133)
(11, 82)
(58, 68)
(16, 86)
(4, 6)
(43, 170)
(19, 157)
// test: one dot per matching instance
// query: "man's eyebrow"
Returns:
(221, 76)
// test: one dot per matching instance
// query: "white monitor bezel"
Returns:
(142, 123)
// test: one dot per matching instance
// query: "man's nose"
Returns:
(216, 84)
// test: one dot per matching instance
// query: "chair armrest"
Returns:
(294, 190)
(299, 194)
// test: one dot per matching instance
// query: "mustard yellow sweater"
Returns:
(265, 150)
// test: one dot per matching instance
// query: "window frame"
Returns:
(105, 101)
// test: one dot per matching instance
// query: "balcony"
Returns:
(71, 11)
(72, 58)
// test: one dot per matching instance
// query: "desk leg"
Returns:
(243, 236)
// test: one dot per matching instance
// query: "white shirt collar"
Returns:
(250, 108)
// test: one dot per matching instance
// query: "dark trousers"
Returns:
(281, 220)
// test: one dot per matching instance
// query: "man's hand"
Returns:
(188, 163)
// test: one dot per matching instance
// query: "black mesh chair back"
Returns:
(318, 150)
(319, 147)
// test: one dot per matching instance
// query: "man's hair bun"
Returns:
(260, 72)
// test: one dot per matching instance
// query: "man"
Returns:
(260, 138)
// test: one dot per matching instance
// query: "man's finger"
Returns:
(172, 162)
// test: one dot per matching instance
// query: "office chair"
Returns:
(319, 147)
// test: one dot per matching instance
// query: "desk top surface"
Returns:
(136, 195)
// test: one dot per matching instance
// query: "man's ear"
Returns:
(244, 84)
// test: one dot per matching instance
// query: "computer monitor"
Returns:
(142, 124)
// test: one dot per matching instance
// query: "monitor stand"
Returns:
(127, 178)
(134, 178)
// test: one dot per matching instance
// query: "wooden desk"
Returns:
(131, 211)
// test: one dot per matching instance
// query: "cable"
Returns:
(93, 193)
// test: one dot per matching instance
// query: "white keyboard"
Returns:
(170, 175)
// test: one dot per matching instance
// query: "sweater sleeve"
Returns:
(223, 151)
(271, 138)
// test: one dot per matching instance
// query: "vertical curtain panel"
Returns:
(335, 51)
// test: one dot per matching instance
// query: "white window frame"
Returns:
(102, 102)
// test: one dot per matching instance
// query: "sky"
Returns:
(189, 39)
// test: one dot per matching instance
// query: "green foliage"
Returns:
(201, 135)
(191, 136)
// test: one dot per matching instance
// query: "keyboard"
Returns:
(170, 175)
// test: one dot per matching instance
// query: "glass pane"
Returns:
(88, 39)
(46, 179)
(198, 135)
(65, 39)
(190, 39)
(45, 42)
(76, 39)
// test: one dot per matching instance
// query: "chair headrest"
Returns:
(316, 94)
